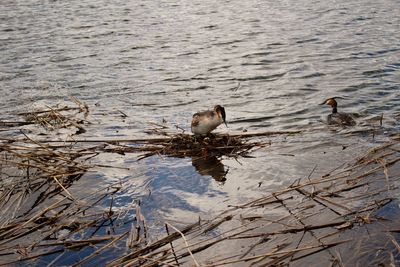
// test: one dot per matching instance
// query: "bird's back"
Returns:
(204, 122)
(341, 119)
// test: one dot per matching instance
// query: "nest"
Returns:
(186, 145)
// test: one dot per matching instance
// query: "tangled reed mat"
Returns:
(346, 217)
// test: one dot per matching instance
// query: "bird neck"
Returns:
(334, 109)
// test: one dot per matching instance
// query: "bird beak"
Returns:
(323, 103)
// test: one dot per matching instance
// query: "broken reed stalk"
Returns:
(272, 254)
(172, 247)
(153, 246)
(186, 243)
(340, 223)
(100, 250)
(165, 139)
(66, 108)
(179, 145)
(53, 118)
(279, 228)
(28, 168)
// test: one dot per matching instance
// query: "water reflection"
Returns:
(210, 166)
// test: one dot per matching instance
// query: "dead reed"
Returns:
(310, 218)
(52, 118)
(313, 220)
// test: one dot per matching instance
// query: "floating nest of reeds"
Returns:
(187, 145)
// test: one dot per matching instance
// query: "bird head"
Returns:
(221, 111)
(330, 101)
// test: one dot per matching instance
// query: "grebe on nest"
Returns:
(206, 121)
(336, 117)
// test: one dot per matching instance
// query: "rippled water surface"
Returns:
(270, 63)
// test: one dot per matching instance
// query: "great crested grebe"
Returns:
(336, 117)
(206, 121)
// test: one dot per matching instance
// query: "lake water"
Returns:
(269, 63)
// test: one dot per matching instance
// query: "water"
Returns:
(269, 63)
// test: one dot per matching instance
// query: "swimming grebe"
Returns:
(206, 121)
(336, 117)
